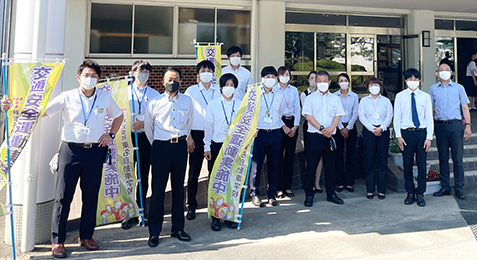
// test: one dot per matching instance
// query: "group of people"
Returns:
(175, 129)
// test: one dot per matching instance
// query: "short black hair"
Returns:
(412, 72)
(269, 70)
(344, 75)
(89, 64)
(206, 64)
(323, 73)
(141, 65)
(226, 77)
(172, 68)
(448, 63)
(234, 49)
(311, 72)
(282, 69)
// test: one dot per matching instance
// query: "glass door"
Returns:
(361, 54)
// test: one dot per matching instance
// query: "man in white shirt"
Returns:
(167, 124)
(322, 110)
(234, 55)
(414, 128)
(201, 94)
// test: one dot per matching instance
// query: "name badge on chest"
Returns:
(83, 130)
(376, 116)
(268, 119)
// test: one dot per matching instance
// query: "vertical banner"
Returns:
(230, 167)
(116, 194)
(30, 88)
(211, 53)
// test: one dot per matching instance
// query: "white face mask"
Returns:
(312, 84)
(412, 85)
(228, 91)
(142, 77)
(235, 61)
(344, 85)
(206, 77)
(269, 82)
(322, 86)
(444, 75)
(88, 83)
(374, 89)
(284, 79)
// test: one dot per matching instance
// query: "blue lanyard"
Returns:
(266, 103)
(231, 112)
(207, 103)
(82, 107)
(142, 99)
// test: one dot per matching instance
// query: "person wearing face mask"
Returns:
(347, 135)
(268, 138)
(375, 113)
(448, 98)
(414, 127)
(471, 79)
(202, 94)
(291, 118)
(82, 153)
(244, 76)
(220, 114)
(322, 111)
(167, 124)
(143, 94)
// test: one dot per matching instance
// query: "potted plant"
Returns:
(395, 152)
(433, 181)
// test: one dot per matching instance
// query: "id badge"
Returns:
(83, 130)
(140, 117)
(268, 119)
(376, 116)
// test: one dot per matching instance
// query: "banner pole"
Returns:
(139, 181)
(9, 181)
(246, 184)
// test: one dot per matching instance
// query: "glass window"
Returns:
(110, 33)
(362, 54)
(444, 49)
(310, 18)
(299, 51)
(373, 21)
(441, 24)
(466, 25)
(196, 24)
(153, 29)
(331, 51)
(233, 28)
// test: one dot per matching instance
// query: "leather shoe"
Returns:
(318, 190)
(257, 201)
(350, 188)
(215, 226)
(128, 223)
(190, 214)
(273, 201)
(181, 235)
(441, 192)
(290, 194)
(420, 200)
(309, 201)
(282, 194)
(58, 250)
(231, 224)
(459, 194)
(411, 197)
(370, 195)
(340, 189)
(335, 199)
(89, 244)
(381, 196)
(153, 241)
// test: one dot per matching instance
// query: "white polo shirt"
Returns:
(323, 108)
(201, 97)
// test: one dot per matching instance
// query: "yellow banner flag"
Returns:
(232, 163)
(211, 53)
(116, 194)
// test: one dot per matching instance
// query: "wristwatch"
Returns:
(322, 127)
(112, 135)
(468, 124)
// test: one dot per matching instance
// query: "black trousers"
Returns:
(145, 165)
(415, 145)
(318, 146)
(195, 165)
(345, 170)
(214, 152)
(450, 135)
(287, 157)
(76, 162)
(167, 158)
(266, 143)
(375, 147)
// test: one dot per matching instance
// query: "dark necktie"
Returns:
(415, 117)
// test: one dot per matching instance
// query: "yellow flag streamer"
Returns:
(231, 165)
(211, 53)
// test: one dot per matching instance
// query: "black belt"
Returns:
(288, 117)
(175, 140)
(84, 145)
(447, 121)
(268, 130)
(414, 129)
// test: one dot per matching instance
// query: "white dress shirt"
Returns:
(350, 105)
(95, 108)
(403, 112)
(201, 97)
(323, 108)
(244, 79)
(274, 103)
(375, 111)
(220, 114)
(292, 102)
(141, 100)
(168, 117)
(471, 67)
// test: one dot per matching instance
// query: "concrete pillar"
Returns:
(422, 58)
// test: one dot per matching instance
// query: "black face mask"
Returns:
(172, 86)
